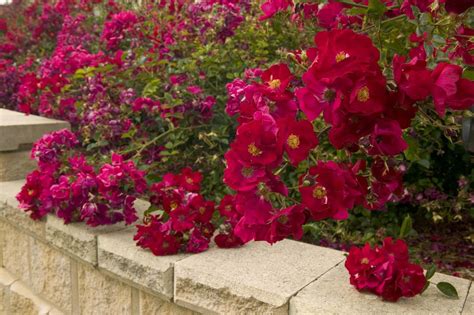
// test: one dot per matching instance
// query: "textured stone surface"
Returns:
(332, 294)
(15, 165)
(8, 191)
(16, 252)
(51, 274)
(6, 279)
(255, 278)
(468, 308)
(77, 239)
(150, 304)
(100, 294)
(17, 128)
(24, 302)
(119, 254)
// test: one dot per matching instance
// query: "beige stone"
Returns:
(77, 239)
(6, 279)
(100, 294)
(51, 275)
(15, 251)
(15, 165)
(8, 191)
(23, 301)
(332, 294)
(255, 278)
(153, 305)
(468, 308)
(17, 129)
(119, 254)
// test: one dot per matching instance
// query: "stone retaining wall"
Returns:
(51, 268)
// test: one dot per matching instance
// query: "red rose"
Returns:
(241, 176)
(328, 191)
(386, 139)
(256, 141)
(272, 7)
(286, 222)
(413, 78)
(342, 54)
(458, 6)
(411, 280)
(297, 138)
(385, 270)
(450, 90)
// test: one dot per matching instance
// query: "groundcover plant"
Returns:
(237, 120)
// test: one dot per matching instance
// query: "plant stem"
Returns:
(352, 4)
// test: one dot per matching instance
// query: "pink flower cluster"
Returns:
(66, 185)
(184, 219)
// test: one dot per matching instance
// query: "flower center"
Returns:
(253, 150)
(364, 261)
(342, 55)
(283, 219)
(247, 171)
(31, 192)
(329, 95)
(293, 141)
(319, 192)
(173, 205)
(202, 210)
(363, 94)
(165, 244)
(189, 180)
(274, 84)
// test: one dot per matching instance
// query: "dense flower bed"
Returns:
(305, 111)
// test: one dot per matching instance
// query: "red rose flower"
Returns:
(297, 138)
(276, 78)
(342, 54)
(411, 280)
(256, 141)
(189, 180)
(272, 7)
(286, 222)
(413, 78)
(386, 139)
(328, 191)
(450, 89)
(385, 270)
(368, 96)
(241, 176)
(458, 6)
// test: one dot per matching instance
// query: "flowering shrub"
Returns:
(327, 118)
(184, 219)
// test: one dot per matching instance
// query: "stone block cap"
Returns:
(17, 129)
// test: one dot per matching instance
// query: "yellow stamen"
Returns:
(319, 192)
(293, 141)
(363, 94)
(253, 150)
(274, 84)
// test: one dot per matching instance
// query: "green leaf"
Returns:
(468, 74)
(448, 289)
(406, 227)
(427, 284)
(430, 272)
(376, 8)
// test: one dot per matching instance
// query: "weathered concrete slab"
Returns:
(77, 239)
(257, 278)
(17, 129)
(119, 255)
(332, 294)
